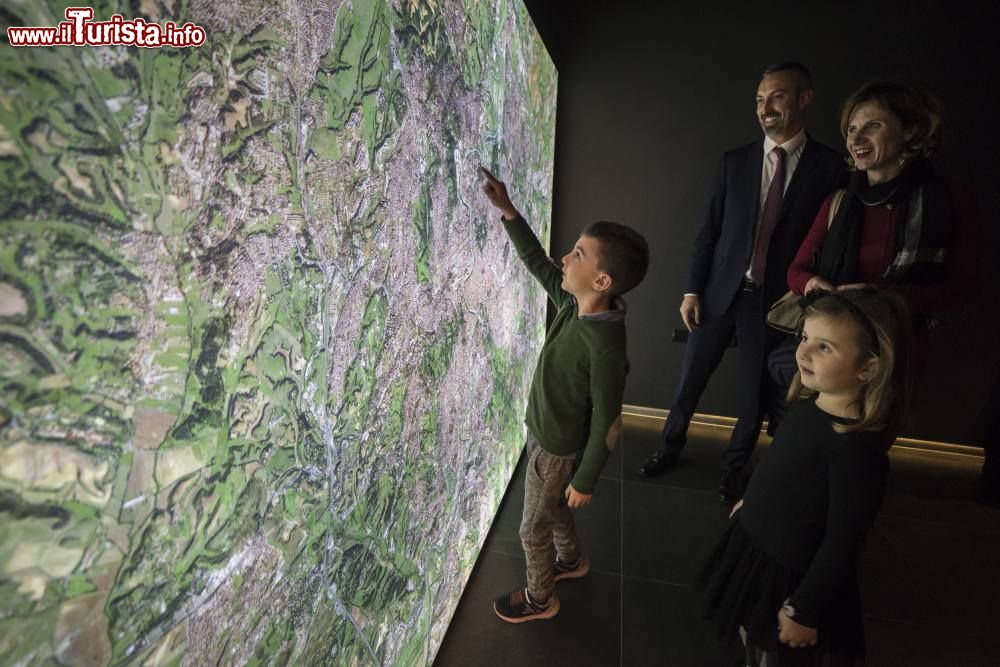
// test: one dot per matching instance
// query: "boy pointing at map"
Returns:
(576, 394)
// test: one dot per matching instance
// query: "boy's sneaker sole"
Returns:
(563, 572)
(515, 607)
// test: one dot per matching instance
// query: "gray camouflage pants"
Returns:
(547, 528)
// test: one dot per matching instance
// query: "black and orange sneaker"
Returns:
(518, 607)
(573, 570)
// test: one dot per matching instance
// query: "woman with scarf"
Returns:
(899, 225)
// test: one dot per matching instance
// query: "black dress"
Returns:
(806, 512)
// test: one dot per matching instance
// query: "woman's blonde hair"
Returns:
(882, 321)
(918, 111)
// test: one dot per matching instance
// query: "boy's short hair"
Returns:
(623, 254)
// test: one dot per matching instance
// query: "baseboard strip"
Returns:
(718, 421)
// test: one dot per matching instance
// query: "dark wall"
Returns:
(651, 94)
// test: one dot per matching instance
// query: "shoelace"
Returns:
(521, 597)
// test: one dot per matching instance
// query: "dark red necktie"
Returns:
(769, 218)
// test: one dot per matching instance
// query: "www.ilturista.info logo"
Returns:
(79, 30)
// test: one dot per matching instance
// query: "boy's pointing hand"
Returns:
(496, 192)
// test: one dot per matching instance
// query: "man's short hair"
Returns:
(623, 254)
(803, 77)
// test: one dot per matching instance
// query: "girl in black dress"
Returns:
(784, 575)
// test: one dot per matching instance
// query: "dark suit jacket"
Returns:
(724, 242)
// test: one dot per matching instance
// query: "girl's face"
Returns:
(830, 358)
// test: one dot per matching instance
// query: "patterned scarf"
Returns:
(921, 236)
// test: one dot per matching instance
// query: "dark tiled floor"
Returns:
(930, 569)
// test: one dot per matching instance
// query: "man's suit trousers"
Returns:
(705, 347)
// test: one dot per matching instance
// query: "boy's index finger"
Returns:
(490, 177)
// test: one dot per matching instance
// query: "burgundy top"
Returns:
(876, 254)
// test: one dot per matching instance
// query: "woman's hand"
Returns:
(855, 286)
(794, 634)
(819, 282)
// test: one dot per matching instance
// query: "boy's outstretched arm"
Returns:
(531, 252)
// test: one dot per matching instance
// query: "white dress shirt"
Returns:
(793, 151)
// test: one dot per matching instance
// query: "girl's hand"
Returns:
(793, 634)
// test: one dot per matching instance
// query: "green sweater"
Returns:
(576, 393)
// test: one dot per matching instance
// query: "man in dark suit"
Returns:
(765, 196)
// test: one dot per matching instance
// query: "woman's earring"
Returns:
(902, 161)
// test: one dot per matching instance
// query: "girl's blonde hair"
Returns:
(882, 321)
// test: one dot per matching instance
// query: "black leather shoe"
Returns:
(729, 487)
(657, 463)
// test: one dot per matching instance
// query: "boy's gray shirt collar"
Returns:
(615, 314)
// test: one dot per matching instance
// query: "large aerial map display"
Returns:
(264, 348)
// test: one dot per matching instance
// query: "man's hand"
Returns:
(496, 192)
(577, 499)
(793, 634)
(819, 282)
(691, 311)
